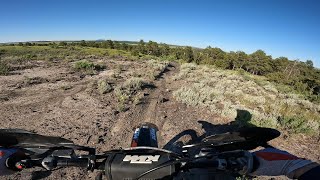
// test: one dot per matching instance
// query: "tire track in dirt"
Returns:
(153, 111)
(160, 95)
(148, 111)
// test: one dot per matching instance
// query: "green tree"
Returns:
(28, 44)
(259, 63)
(230, 60)
(142, 47)
(83, 43)
(124, 46)
(135, 52)
(165, 50)
(198, 56)
(211, 55)
(62, 43)
(152, 48)
(280, 64)
(241, 59)
(188, 54)
(104, 44)
(309, 63)
(116, 45)
(178, 52)
(110, 44)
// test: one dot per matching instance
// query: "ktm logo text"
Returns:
(142, 159)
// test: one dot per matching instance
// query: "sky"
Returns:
(289, 28)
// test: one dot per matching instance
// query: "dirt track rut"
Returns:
(150, 110)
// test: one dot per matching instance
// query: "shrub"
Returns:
(88, 67)
(4, 68)
(83, 65)
(29, 57)
(122, 106)
(223, 93)
(157, 68)
(128, 90)
(296, 124)
(2, 51)
(104, 87)
(137, 99)
(134, 84)
(122, 98)
(130, 87)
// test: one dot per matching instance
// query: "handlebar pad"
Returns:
(131, 164)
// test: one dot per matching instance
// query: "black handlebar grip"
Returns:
(203, 163)
(79, 162)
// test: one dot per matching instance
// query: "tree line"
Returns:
(301, 76)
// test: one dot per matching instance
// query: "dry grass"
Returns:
(128, 90)
(88, 67)
(225, 92)
(104, 87)
(149, 69)
(157, 68)
(4, 68)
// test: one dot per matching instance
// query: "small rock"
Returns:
(115, 112)
(4, 98)
(100, 140)
(162, 100)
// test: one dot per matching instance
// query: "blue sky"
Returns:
(288, 28)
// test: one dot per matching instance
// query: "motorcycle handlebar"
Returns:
(197, 163)
(78, 162)
(50, 163)
(205, 163)
(225, 162)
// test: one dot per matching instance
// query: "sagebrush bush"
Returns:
(128, 89)
(135, 84)
(4, 68)
(297, 124)
(84, 65)
(224, 93)
(157, 68)
(87, 66)
(104, 86)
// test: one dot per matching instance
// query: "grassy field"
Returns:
(52, 53)
(227, 92)
(19, 57)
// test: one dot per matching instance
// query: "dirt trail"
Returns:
(151, 109)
